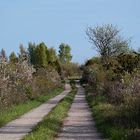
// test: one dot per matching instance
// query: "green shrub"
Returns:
(114, 95)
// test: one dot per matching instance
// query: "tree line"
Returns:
(33, 72)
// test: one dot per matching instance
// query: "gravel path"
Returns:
(17, 129)
(79, 124)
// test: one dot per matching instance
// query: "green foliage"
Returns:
(19, 71)
(41, 55)
(52, 56)
(93, 73)
(15, 111)
(31, 51)
(38, 55)
(72, 83)
(115, 95)
(37, 68)
(105, 115)
(13, 59)
(45, 79)
(70, 70)
(29, 92)
(92, 61)
(128, 62)
(65, 53)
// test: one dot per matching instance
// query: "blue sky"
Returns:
(56, 21)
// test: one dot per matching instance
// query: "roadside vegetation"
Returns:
(52, 123)
(112, 81)
(15, 111)
(32, 76)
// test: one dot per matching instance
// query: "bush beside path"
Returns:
(20, 127)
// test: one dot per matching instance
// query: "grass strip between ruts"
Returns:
(51, 124)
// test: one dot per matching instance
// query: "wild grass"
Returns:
(50, 126)
(104, 114)
(15, 111)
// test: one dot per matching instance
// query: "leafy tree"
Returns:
(32, 51)
(128, 62)
(65, 53)
(13, 58)
(71, 70)
(92, 61)
(38, 54)
(41, 55)
(107, 40)
(52, 56)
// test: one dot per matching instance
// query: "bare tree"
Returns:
(106, 40)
